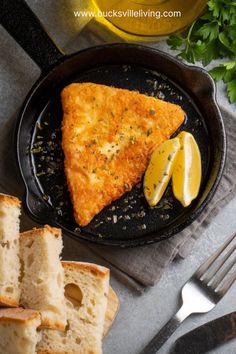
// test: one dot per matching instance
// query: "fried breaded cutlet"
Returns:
(108, 135)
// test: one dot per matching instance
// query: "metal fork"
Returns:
(201, 293)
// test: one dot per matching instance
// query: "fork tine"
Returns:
(225, 287)
(206, 265)
(222, 275)
(209, 275)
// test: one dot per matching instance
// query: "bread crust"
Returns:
(6, 301)
(99, 271)
(18, 315)
(47, 323)
(113, 306)
(9, 199)
(39, 351)
(42, 231)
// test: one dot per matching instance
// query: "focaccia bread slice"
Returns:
(108, 136)
(18, 331)
(9, 251)
(86, 291)
(43, 275)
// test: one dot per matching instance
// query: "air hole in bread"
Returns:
(39, 281)
(15, 242)
(22, 265)
(30, 260)
(86, 320)
(10, 289)
(78, 340)
(67, 326)
(90, 311)
(5, 244)
(30, 243)
(74, 294)
(93, 302)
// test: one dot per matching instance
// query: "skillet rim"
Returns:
(171, 231)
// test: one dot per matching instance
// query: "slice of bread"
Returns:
(86, 290)
(9, 251)
(18, 331)
(43, 276)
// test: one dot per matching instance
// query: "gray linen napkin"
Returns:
(137, 267)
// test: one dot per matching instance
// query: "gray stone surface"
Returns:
(140, 316)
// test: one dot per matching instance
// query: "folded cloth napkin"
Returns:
(142, 266)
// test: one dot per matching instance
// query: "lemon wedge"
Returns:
(186, 178)
(160, 169)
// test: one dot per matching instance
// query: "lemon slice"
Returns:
(160, 170)
(188, 170)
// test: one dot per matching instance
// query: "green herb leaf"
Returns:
(231, 89)
(215, 6)
(209, 31)
(210, 37)
(229, 65)
(229, 75)
(225, 40)
(210, 53)
(174, 41)
(218, 72)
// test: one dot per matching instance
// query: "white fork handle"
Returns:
(164, 334)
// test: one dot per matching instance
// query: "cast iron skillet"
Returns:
(128, 221)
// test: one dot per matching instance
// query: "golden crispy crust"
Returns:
(47, 323)
(108, 135)
(42, 232)
(18, 314)
(9, 199)
(98, 271)
(7, 301)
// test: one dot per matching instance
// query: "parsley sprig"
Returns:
(210, 37)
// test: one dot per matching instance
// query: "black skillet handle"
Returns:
(22, 24)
